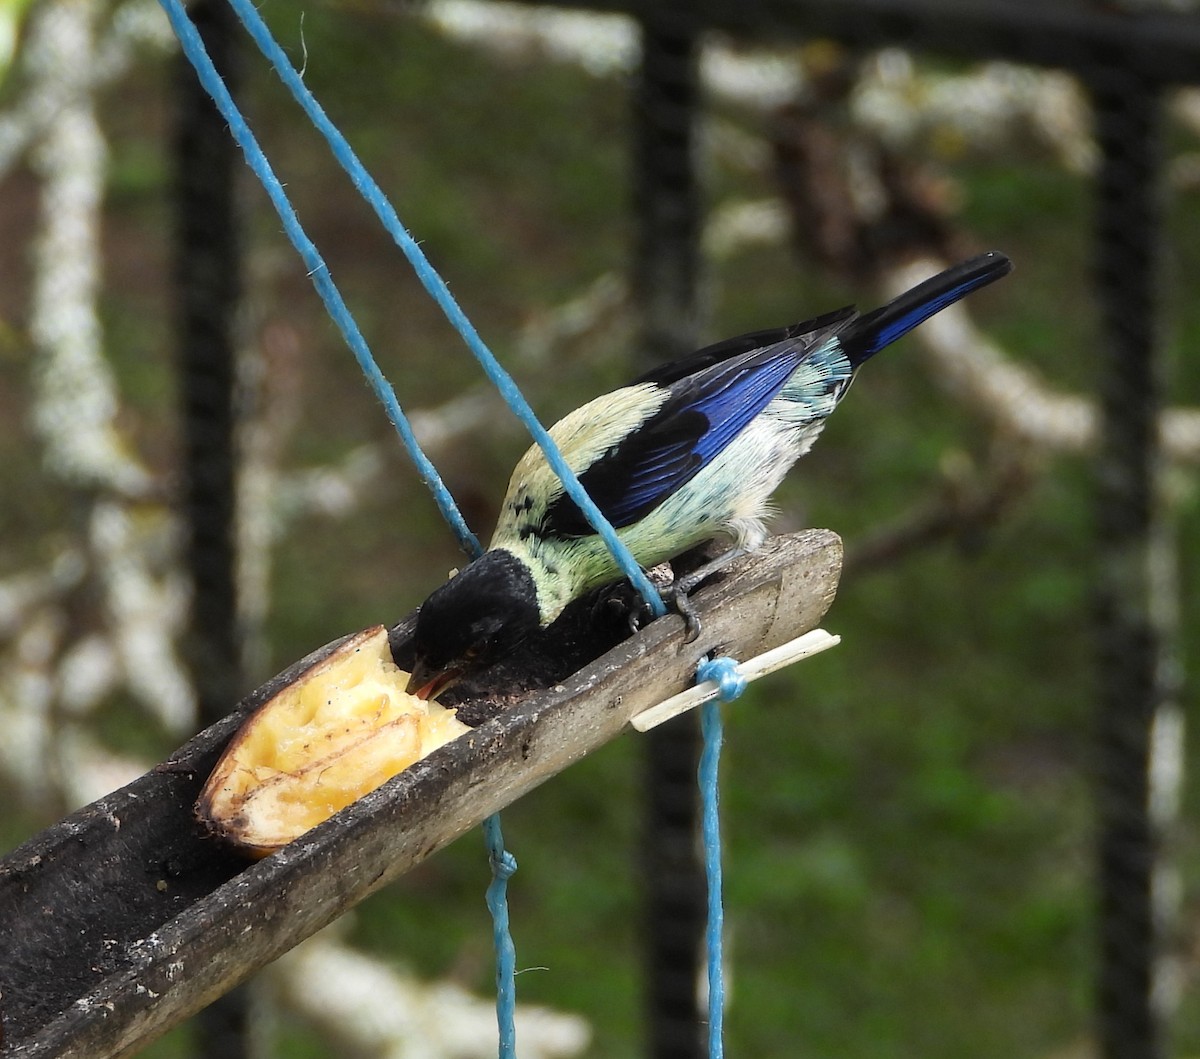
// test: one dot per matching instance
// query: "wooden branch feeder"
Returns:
(125, 918)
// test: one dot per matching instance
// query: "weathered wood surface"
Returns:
(124, 919)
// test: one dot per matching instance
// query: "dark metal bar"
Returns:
(667, 209)
(1159, 46)
(207, 273)
(666, 189)
(1136, 683)
(207, 267)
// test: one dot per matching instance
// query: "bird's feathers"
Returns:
(695, 448)
(672, 422)
(728, 348)
(701, 414)
(867, 335)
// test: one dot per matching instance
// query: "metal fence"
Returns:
(1129, 60)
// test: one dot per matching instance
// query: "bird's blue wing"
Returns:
(703, 413)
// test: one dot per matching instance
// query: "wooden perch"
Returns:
(125, 918)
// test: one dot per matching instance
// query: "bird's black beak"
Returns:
(427, 683)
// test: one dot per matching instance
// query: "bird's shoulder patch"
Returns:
(589, 435)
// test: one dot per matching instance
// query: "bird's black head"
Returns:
(472, 621)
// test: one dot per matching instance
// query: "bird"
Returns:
(687, 452)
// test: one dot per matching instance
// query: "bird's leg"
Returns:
(678, 592)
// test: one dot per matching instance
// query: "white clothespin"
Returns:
(811, 643)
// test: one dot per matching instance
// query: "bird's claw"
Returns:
(686, 584)
(638, 611)
(676, 595)
(687, 612)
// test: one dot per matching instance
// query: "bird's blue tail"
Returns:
(867, 335)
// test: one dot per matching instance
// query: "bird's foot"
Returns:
(623, 602)
(678, 593)
(620, 603)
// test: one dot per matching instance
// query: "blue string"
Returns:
(711, 727)
(504, 864)
(193, 48)
(437, 289)
(724, 672)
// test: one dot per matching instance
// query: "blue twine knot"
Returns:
(724, 673)
(504, 864)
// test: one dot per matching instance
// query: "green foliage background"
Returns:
(908, 818)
